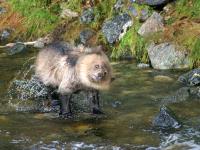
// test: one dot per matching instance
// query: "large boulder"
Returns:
(153, 24)
(166, 119)
(152, 2)
(166, 56)
(191, 78)
(115, 28)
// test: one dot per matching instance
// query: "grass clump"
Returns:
(38, 18)
(195, 53)
(188, 8)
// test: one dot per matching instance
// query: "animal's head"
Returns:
(94, 69)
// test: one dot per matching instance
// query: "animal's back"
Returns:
(52, 63)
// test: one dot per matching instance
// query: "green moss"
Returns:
(39, 20)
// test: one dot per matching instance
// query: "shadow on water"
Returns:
(129, 105)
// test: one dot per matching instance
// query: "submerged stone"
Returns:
(143, 65)
(166, 56)
(181, 95)
(87, 16)
(191, 78)
(115, 28)
(165, 119)
(16, 48)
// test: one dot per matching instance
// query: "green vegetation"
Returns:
(195, 53)
(188, 8)
(40, 17)
(39, 20)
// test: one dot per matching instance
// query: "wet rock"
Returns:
(16, 48)
(133, 11)
(191, 78)
(87, 16)
(85, 35)
(143, 65)
(116, 104)
(181, 95)
(2, 10)
(118, 5)
(152, 2)
(144, 15)
(5, 34)
(166, 56)
(68, 13)
(165, 119)
(153, 24)
(32, 95)
(115, 28)
(195, 91)
(28, 89)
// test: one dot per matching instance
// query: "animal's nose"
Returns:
(100, 75)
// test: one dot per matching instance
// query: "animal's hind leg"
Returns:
(65, 110)
(93, 97)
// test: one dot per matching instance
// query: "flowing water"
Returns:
(129, 107)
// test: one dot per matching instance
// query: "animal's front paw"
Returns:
(97, 111)
(66, 115)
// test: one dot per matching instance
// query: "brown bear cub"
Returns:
(71, 69)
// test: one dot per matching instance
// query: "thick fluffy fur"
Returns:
(67, 68)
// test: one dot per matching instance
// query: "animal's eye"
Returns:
(96, 66)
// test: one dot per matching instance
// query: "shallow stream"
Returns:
(129, 107)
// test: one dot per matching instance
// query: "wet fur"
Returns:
(66, 67)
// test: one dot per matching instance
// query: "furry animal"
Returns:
(70, 69)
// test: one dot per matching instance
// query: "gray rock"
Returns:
(5, 34)
(166, 56)
(144, 15)
(87, 16)
(17, 48)
(118, 5)
(191, 78)
(142, 65)
(133, 11)
(152, 2)
(68, 13)
(115, 28)
(165, 119)
(85, 35)
(2, 10)
(116, 104)
(153, 24)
